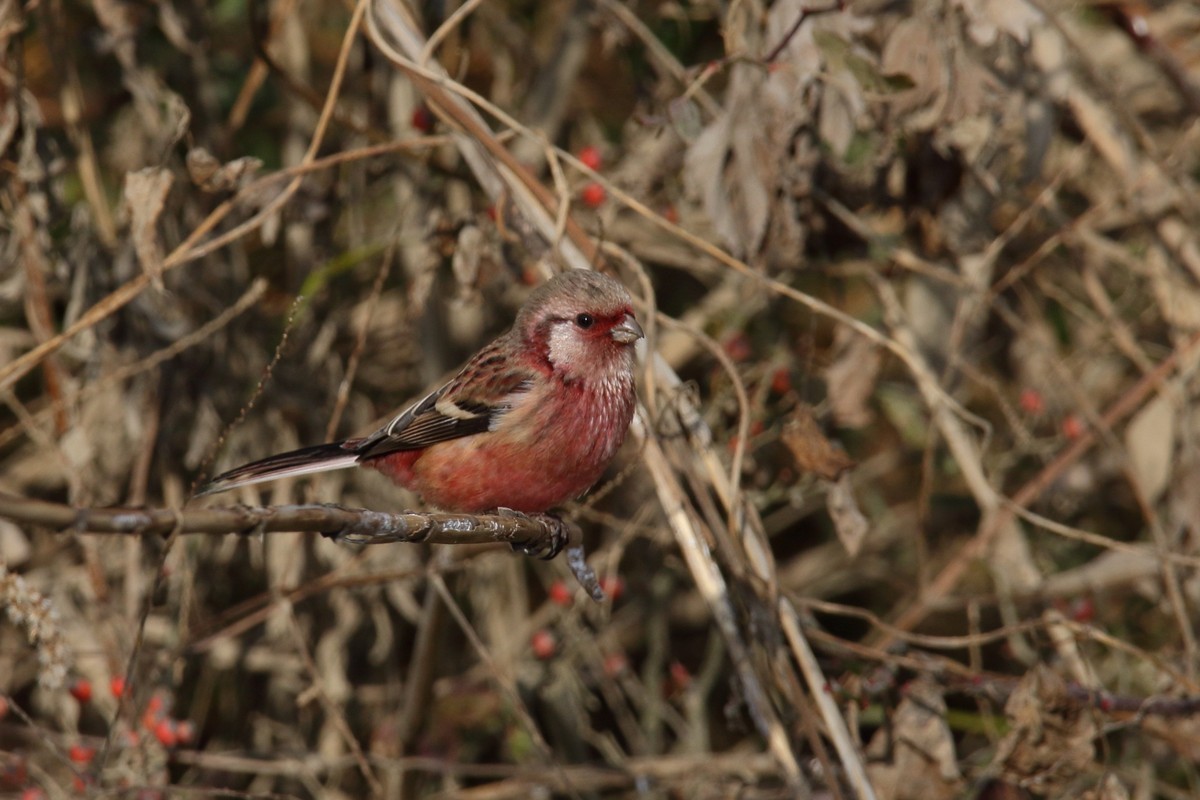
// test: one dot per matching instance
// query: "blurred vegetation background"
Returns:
(911, 506)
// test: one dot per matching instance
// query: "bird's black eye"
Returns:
(584, 321)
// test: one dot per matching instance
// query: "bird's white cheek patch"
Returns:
(564, 346)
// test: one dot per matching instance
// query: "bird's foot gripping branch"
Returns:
(551, 546)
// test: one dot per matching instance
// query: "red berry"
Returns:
(738, 347)
(544, 644)
(15, 772)
(1032, 402)
(81, 690)
(559, 593)
(613, 586)
(33, 793)
(590, 156)
(680, 677)
(185, 732)
(81, 754)
(1073, 427)
(165, 732)
(1083, 609)
(3, 707)
(671, 214)
(593, 195)
(781, 381)
(117, 686)
(153, 713)
(422, 119)
(615, 664)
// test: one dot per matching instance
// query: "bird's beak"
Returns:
(628, 331)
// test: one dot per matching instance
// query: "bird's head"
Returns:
(583, 324)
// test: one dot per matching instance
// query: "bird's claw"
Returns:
(545, 550)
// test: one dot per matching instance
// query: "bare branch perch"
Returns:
(541, 535)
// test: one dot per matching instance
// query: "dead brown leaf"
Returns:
(850, 379)
(912, 51)
(145, 194)
(1150, 439)
(987, 19)
(848, 520)
(1051, 742)
(212, 176)
(725, 168)
(812, 450)
(923, 763)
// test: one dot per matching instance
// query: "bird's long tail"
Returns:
(306, 460)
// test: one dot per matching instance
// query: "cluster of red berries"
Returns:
(168, 731)
(593, 194)
(544, 643)
(1034, 405)
(155, 721)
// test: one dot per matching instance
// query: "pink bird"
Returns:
(530, 422)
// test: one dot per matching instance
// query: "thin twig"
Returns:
(835, 724)
(805, 13)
